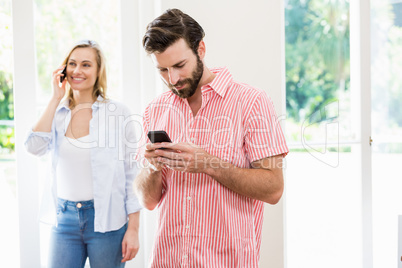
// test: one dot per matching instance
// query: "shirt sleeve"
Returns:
(263, 132)
(131, 166)
(143, 140)
(38, 143)
(143, 162)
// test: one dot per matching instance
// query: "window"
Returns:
(58, 26)
(323, 181)
(386, 80)
(9, 254)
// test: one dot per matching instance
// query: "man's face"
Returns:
(179, 68)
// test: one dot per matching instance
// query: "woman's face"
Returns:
(82, 69)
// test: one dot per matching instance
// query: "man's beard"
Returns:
(192, 82)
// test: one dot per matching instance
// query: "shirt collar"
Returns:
(99, 102)
(65, 104)
(221, 82)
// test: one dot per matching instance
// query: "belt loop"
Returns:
(64, 206)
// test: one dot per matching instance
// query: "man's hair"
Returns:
(168, 28)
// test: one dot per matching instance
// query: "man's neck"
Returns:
(207, 77)
(195, 101)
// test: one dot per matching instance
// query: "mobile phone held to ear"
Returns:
(64, 76)
(158, 136)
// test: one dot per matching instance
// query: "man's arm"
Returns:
(264, 181)
(148, 186)
(148, 183)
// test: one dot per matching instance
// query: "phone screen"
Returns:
(158, 136)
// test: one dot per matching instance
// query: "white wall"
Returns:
(245, 36)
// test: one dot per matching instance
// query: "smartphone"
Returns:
(65, 73)
(158, 136)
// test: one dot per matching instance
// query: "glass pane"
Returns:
(323, 211)
(317, 67)
(323, 180)
(9, 242)
(386, 38)
(58, 26)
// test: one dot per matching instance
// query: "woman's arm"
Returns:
(131, 244)
(40, 136)
(44, 123)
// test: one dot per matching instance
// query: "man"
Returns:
(224, 162)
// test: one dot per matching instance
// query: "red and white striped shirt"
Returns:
(201, 222)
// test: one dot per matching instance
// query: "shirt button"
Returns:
(185, 257)
(188, 226)
(79, 205)
(188, 197)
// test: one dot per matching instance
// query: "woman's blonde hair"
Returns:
(100, 86)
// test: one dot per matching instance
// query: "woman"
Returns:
(92, 142)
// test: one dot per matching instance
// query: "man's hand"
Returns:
(152, 157)
(185, 157)
(264, 180)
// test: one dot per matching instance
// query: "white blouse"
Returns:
(112, 147)
(74, 175)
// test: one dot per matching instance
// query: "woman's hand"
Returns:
(58, 90)
(131, 243)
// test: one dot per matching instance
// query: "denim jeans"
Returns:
(74, 239)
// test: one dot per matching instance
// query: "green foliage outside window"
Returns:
(6, 97)
(6, 111)
(58, 29)
(6, 82)
(317, 51)
(7, 138)
(317, 55)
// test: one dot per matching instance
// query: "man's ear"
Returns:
(201, 49)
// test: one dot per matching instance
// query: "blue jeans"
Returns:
(74, 239)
